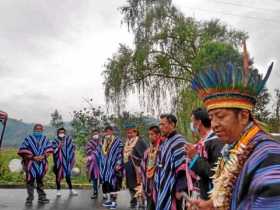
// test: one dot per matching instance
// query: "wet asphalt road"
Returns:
(14, 199)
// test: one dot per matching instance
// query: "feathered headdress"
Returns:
(230, 87)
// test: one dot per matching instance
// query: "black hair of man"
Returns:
(155, 129)
(61, 129)
(108, 127)
(238, 110)
(38, 126)
(202, 115)
(170, 118)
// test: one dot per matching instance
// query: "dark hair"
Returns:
(109, 127)
(95, 130)
(155, 129)
(60, 129)
(238, 110)
(170, 118)
(38, 125)
(202, 115)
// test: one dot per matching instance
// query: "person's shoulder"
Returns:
(266, 152)
(264, 140)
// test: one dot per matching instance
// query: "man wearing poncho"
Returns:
(170, 173)
(133, 153)
(34, 151)
(247, 176)
(112, 152)
(148, 166)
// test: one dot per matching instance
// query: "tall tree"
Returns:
(275, 119)
(261, 111)
(56, 119)
(160, 65)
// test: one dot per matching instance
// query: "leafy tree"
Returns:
(56, 120)
(87, 119)
(275, 119)
(141, 121)
(168, 49)
(261, 111)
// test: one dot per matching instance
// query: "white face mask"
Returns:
(95, 136)
(193, 129)
(61, 135)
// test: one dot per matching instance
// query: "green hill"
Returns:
(17, 130)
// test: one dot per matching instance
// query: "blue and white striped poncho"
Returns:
(64, 157)
(258, 184)
(171, 160)
(30, 148)
(113, 158)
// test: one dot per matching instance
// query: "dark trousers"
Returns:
(95, 185)
(133, 200)
(30, 185)
(108, 188)
(68, 180)
(150, 204)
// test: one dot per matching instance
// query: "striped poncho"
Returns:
(258, 184)
(63, 156)
(30, 148)
(94, 158)
(113, 158)
(170, 162)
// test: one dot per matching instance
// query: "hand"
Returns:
(202, 204)
(39, 158)
(178, 195)
(118, 167)
(190, 150)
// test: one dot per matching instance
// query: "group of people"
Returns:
(234, 165)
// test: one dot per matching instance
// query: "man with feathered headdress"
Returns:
(247, 176)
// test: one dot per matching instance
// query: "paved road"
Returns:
(13, 199)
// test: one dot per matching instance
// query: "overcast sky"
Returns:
(52, 52)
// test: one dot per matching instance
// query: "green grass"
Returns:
(9, 178)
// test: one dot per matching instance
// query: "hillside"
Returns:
(17, 130)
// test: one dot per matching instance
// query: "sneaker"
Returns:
(43, 200)
(58, 193)
(28, 202)
(113, 205)
(105, 197)
(107, 203)
(73, 193)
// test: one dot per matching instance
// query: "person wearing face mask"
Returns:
(34, 151)
(205, 153)
(64, 160)
(93, 161)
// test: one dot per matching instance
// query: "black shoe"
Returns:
(28, 202)
(133, 206)
(94, 196)
(43, 201)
